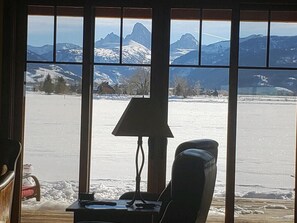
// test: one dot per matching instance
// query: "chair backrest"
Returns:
(202, 144)
(192, 187)
(209, 145)
(9, 153)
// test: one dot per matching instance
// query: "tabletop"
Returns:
(115, 211)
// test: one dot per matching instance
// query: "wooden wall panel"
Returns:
(1, 33)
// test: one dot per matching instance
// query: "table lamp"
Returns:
(140, 119)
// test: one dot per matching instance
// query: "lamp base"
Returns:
(137, 194)
(137, 197)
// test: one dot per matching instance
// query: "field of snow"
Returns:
(265, 141)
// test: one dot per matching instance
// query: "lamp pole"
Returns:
(137, 194)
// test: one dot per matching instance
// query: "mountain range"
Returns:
(136, 49)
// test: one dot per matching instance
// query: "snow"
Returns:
(41, 73)
(52, 139)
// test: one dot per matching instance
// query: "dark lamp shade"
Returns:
(141, 119)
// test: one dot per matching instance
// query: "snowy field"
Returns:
(265, 142)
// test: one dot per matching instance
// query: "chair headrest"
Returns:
(204, 144)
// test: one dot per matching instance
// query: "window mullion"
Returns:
(86, 106)
(121, 35)
(232, 116)
(268, 39)
(200, 38)
(55, 35)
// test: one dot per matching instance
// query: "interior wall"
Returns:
(1, 33)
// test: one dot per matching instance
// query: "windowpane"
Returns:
(283, 38)
(53, 107)
(137, 29)
(126, 80)
(215, 38)
(40, 35)
(184, 36)
(197, 109)
(52, 134)
(266, 144)
(69, 35)
(107, 35)
(253, 38)
(113, 158)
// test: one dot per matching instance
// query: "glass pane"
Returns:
(113, 159)
(52, 135)
(283, 37)
(208, 80)
(137, 29)
(253, 38)
(215, 38)
(40, 35)
(122, 80)
(266, 145)
(69, 46)
(184, 36)
(107, 35)
(198, 109)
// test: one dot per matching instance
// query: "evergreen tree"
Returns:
(60, 86)
(48, 86)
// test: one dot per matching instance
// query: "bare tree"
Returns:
(139, 82)
(197, 88)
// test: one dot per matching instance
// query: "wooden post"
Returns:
(232, 117)
(295, 202)
(159, 95)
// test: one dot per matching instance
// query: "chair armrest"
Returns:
(6, 179)
(145, 195)
(35, 188)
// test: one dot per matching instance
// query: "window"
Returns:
(253, 38)
(53, 104)
(122, 65)
(282, 39)
(266, 137)
(199, 83)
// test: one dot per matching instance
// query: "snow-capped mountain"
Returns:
(140, 34)
(184, 45)
(110, 41)
(136, 50)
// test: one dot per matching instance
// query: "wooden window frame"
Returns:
(12, 84)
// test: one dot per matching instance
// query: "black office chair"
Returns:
(192, 186)
(165, 196)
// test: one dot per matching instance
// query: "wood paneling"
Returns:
(6, 200)
(1, 34)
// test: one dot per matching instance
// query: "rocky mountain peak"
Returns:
(140, 34)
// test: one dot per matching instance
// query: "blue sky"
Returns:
(40, 29)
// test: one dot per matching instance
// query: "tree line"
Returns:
(58, 86)
(136, 84)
